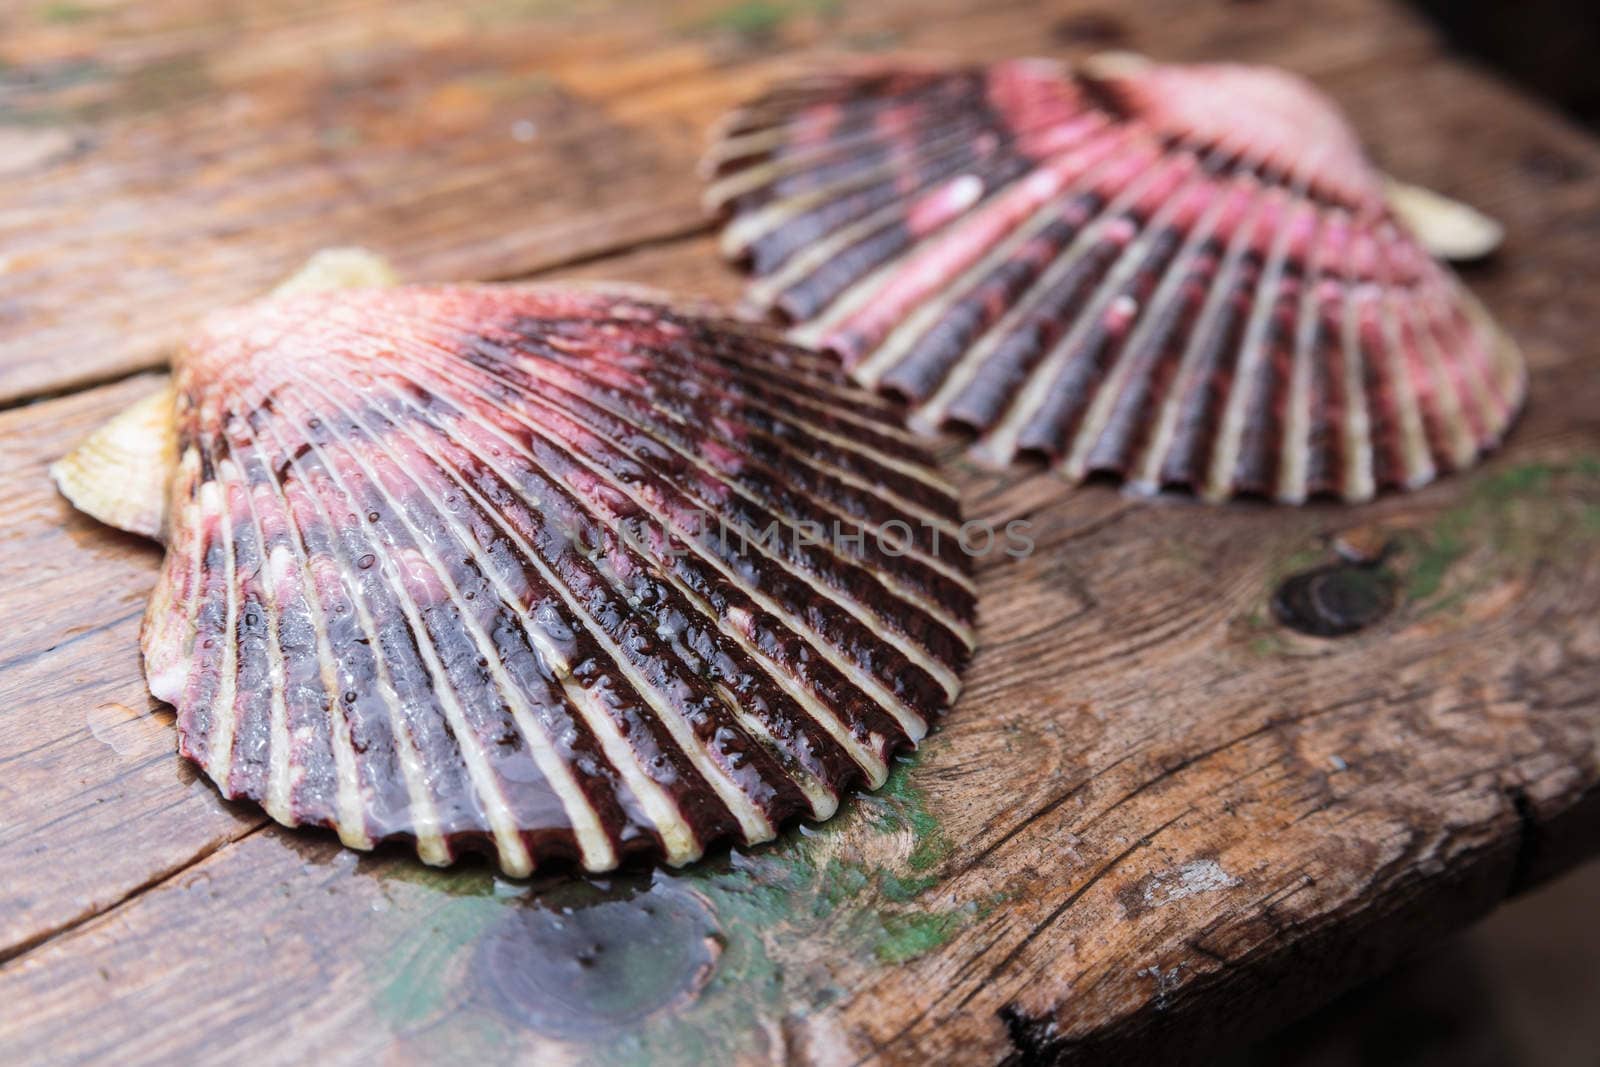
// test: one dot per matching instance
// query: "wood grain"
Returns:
(1157, 822)
(86, 756)
(480, 140)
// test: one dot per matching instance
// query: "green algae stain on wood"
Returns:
(1507, 519)
(416, 973)
(766, 17)
(907, 936)
(853, 892)
(671, 966)
(63, 13)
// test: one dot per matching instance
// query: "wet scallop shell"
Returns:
(1181, 275)
(468, 567)
(119, 475)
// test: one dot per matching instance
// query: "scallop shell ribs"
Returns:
(1181, 275)
(551, 573)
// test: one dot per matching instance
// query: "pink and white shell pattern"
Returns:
(1184, 276)
(454, 566)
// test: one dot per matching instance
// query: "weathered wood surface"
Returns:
(1157, 820)
(484, 139)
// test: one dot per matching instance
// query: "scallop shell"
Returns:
(1185, 276)
(1447, 228)
(119, 475)
(555, 574)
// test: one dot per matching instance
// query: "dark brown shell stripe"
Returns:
(439, 571)
(1181, 275)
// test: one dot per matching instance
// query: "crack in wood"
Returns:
(13, 952)
(672, 236)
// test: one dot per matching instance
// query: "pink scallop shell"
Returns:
(468, 567)
(1178, 275)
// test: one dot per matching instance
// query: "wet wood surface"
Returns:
(1159, 820)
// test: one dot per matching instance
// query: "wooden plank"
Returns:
(92, 804)
(161, 160)
(1157, 819)
(1148, 797)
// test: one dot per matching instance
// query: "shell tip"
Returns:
(921, 422)
(992, 455)
(354, 837)
(433, 851)
(1111, 65)
(339, 268)
(1447, 228)
(119, 474)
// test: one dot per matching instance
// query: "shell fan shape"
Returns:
(556, 574)
(1184, 276)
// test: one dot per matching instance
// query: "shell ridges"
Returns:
(453, 565)
(1181, 275)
